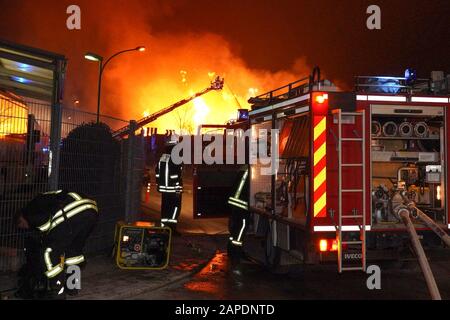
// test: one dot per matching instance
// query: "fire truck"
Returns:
(360, 172)
(351, 165)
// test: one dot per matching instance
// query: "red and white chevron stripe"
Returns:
(320, 166)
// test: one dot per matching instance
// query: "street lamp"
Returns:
(97, 58)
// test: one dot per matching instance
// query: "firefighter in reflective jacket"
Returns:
(170, 185)
(238, 221)
(64, 221)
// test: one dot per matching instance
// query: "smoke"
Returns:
(173, 66)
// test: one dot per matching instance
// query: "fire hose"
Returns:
(419, 214)
(404, 214)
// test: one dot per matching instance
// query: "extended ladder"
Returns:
(343, 227)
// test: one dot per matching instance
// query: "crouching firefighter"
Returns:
(63, 221)
(170, 185)
(239, 218)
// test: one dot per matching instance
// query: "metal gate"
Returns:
(90, 161)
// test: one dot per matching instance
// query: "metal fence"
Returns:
(90, 161)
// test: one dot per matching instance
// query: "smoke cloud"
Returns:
(174, 65)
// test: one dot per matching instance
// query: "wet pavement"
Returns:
(200, 269)
(102, 278)
(217, 280)
(252, 281)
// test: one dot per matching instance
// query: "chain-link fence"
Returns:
(90, 162)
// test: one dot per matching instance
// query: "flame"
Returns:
(183, 76)
(138, 83)
(201, 111)
(167, 76)
(13, 117)
(252, 92)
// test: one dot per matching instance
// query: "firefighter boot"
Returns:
(31, 282)
(234, 254)
(26, 284)
(71, 292)
(173, 228)
(56, 288)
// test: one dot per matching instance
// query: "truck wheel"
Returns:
(272, 252)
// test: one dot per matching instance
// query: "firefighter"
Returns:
(170, 185)
(63, 221)
(238, 221)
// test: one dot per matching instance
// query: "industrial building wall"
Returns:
(91, 162)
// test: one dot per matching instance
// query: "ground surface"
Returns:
(102, 279)
(200, 269)
(253, 281)
(216, 281)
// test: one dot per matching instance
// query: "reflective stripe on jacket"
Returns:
(78, 205)
(239, 199)
(54, 270)
(168, 175)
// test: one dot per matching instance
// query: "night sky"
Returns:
(264, 37)
(331, 34)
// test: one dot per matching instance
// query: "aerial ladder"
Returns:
(217, 84)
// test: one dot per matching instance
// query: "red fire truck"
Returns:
(350, 165)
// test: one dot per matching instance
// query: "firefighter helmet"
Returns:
(171, 141)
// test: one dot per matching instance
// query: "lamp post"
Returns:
(101, 67)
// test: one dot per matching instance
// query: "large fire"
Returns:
(13, 117)
(216, 107)
(139, 83)
(177, 65)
